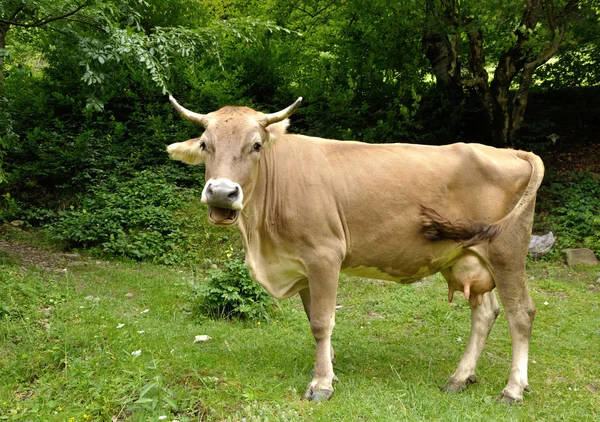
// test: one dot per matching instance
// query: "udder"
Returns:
(471, 276)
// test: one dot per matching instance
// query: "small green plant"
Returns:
(131, 218)
(570, 206)
(231, 293)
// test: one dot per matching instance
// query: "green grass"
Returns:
(65, 355)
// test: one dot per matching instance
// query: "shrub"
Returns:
(131, 218)
(231, 293)
(570, 206)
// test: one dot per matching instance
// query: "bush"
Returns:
(570, 206)
(131, 218)
(231, 293)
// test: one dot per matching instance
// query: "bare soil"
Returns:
(34, 256)
(567, 158)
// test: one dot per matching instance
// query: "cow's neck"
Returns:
(258, 217)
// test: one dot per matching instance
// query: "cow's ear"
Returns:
(189, 152)
(275, 130)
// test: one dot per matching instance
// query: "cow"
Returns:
(309, 208)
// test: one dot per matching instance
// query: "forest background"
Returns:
(84, 116)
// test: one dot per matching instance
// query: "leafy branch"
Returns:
(156, 51)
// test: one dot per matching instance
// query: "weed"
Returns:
(570, 206)
(231, 293)
(131, 218)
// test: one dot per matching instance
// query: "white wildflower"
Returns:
(144, 311)
(136, 353)
(141, 332)
(120, 325)
(162, 417)
(203, 337)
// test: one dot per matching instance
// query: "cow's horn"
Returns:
(189, 115)
(283, 114)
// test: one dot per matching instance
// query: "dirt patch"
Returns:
(579, 157)
(31, 256)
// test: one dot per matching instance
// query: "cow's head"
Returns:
(230, 149)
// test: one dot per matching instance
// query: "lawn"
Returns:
(115, 341)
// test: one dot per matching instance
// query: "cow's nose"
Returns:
(222, 193)
(234, 194)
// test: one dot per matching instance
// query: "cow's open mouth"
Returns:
(222, 216)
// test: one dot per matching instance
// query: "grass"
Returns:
(69, 343)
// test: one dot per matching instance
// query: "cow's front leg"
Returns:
(482, 319)
(323, 283)
(305, 296)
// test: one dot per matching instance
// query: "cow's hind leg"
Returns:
(323, 281)
(482, 319)
(520, 312)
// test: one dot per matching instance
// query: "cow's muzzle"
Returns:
(224, 200)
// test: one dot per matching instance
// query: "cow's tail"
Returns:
(470, 233)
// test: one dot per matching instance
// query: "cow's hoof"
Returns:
(504, 398)
(322, 394)
(453, 386)
(527, 389)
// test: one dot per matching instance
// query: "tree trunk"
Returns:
(441, 48)
(443, 20)
(3, 31)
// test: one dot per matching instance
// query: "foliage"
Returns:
(131, 218)
(155, 52)
(574, 68)
(231, 293)
(7, 134)
(571, 205)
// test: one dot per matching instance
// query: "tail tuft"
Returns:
(464, 231)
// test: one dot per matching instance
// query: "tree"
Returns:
(519, 35)
(33, 14)
(100, 50)
(28, 14)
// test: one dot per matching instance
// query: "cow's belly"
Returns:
(400, 268)
(376, 273)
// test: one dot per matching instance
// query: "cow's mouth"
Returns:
(222, 216)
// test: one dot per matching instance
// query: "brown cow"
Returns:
(308, 208)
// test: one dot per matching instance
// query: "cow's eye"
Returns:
(203, 146)
(256, 147)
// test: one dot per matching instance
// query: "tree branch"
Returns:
(318, 12)
(550, 15)
(548, 52)
(45, 20)
(477, 68)
(473, 81)
(522, 95)
(19, 9)
(90, 24)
